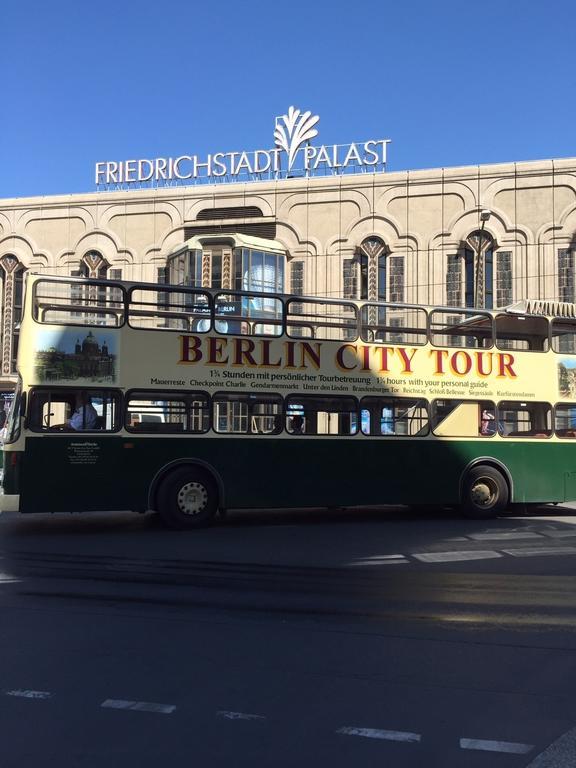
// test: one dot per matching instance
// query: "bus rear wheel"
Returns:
(187, 498)
(484, 493)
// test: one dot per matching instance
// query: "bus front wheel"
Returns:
(484, 493)
(187, 498)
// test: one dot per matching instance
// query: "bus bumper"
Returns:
(9, 502)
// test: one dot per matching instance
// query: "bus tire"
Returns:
(484, 493)
(187, 498)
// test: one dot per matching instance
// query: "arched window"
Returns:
(487, 273)
(93, 265)
(495, 288)
(373, 274)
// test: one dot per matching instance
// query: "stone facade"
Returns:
(484, 235)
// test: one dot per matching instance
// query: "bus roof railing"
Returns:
(80, 309)
(542, 307)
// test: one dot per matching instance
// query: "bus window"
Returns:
(242, 413)
(69, 302)
(465, 328)
(528, 332)
(17, 409)
(322, 415)
(169, 309)
(295, 418)
(564, 335)
(463, 418)
(565, 420)
(394, 416)
(524, 419)
(74, 410)
(393, 324)
(167, 412)
(332, 320)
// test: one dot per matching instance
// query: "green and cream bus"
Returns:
(191, 401)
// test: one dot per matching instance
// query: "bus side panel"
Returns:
(537, 468)
(91, 472)
(74, 473)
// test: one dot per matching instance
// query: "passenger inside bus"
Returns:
(297, 425)
(85, 415)
(487, 422)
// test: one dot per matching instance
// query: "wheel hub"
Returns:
(192, 498)
(483, 493)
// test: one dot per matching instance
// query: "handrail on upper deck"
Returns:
(116, 300)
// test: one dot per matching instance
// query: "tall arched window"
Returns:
(93, 265)
(373, 274)
(487, 272)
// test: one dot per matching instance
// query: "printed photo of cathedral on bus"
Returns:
(62, 355)
(567, 378)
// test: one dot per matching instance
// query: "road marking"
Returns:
(535, 552)
(560, 754)
(139, 706)
(23, 694)
(463, 555)
(238, 715)
(496, 746)
(7, 578)
(505, 536)
(380, 560)
(448, 557)
(376, 733)
(555, 534)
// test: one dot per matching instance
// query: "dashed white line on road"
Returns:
(485, 745)
(462, 555)
(381, 560)
(24, 694)
(505, 536)
(7, 578)
(539, 551)
(238, 715)
(139, 706)
(554, 534)
(449, 557)
(377, 733)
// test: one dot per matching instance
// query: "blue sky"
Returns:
(450, 83)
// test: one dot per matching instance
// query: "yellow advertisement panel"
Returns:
(140, 358)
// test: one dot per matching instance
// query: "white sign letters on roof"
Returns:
(292, 155)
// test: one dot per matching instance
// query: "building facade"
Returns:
(470, 236)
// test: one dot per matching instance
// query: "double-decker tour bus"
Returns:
(188, 401)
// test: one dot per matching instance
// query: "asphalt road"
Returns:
(305, 638)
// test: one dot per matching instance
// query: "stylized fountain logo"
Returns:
(293, 131)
